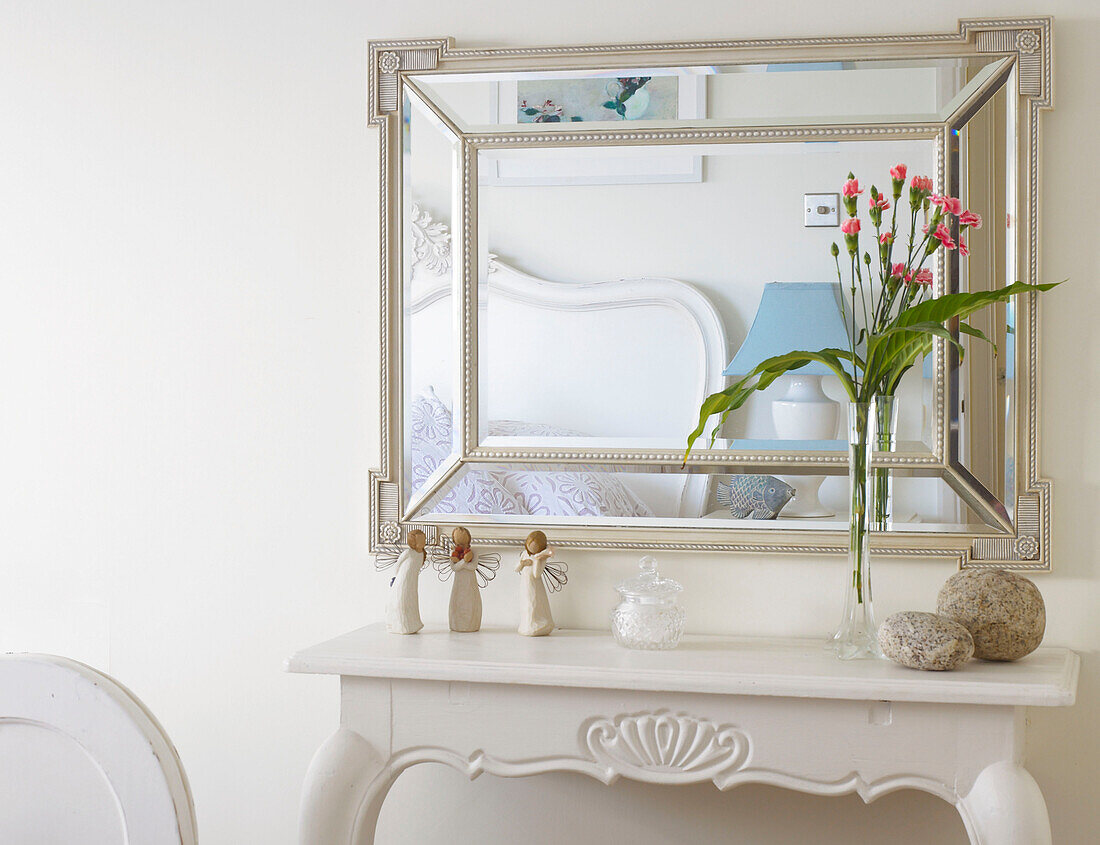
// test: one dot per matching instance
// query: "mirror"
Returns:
(589, 244)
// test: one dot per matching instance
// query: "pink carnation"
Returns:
(922, 183)
(885, 237)
(964, 250)
(880, 202)
(897, 173)
(943, 235)
(850, 226)
(851, 188)
(924, 277)
(898, 270)
(969, 218)
(952, 205)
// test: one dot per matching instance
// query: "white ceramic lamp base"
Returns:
(806, 502)
(805, 413)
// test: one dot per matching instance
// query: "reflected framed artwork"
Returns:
(611, 97)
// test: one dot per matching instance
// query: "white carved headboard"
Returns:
(627, 358)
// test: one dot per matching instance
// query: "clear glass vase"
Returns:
(857, 635)
(885, 431)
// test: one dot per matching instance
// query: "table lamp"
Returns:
(798, 316)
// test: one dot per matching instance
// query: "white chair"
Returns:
(83, 760)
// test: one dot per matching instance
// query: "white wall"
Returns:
(188, 398)
(720, 235)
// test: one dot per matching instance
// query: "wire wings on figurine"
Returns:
(487, 566)
(485, 569)
(440, 554)
(387, 555)
(554, 575)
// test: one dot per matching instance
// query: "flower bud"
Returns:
(835, 250)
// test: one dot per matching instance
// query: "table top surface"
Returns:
(799, 668)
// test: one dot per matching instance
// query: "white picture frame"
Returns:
(529, 171)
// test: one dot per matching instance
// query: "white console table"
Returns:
(730, 711)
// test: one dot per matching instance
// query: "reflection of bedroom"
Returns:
(564, 360)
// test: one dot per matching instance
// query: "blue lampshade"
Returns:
(793, 316)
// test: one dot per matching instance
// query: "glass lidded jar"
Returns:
(648, 615)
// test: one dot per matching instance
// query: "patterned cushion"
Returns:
(515, 492)
(477, 491)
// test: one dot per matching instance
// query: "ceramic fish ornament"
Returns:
(754, 496)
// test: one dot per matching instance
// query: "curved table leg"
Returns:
(1005, 807)
(344, 789)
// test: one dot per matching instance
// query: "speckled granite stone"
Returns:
(1003, 611)
(925, 641)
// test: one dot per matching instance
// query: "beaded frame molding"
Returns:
(1024, 50)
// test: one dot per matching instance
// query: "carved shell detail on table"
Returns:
(667, 747)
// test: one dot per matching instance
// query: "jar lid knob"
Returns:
(648, 583)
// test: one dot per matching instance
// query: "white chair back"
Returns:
(83, 760)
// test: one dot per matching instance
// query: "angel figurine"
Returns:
(472, 571)
(403, 606)
(539, 574)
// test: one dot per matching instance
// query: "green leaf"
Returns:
(897, 336)
(610, 104)
(968, 329)
(919, 347)
(902, 348)
(888, 350)
(530, 112)
(761, 377)
(953, 305)
(889, 354)
(844, 355)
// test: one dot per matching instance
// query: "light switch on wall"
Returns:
(821, 209)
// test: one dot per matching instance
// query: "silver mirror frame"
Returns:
(1027, 48)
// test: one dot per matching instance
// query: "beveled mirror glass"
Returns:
(577, 243)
